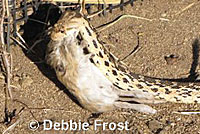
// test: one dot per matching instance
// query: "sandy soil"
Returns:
(172, 31)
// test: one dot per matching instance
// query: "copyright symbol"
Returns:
(33, 125)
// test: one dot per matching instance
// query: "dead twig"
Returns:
(101, 11)
(35, 43)
(38, 21)
(26, 106)
(104, 26)
(22, 39)
(1, 23)
(12, 126)
(187, 112)
(6, 63)
(186, 8)
(6, 56)
(44, 109)
(135, 50)
(164, 19)
(23, 46)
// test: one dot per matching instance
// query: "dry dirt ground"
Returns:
(172, 31)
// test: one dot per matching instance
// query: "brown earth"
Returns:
(172, 31)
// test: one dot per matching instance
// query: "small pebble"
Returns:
(163, 14)
(154, 125)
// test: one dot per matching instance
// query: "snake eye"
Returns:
(62, 31)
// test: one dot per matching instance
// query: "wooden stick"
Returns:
(6, 57)
(104, 26)
(11, 127)
(1, 23)
(186, 8)
(187, 112)
(88, 1)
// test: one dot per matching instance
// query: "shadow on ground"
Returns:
(48, 15)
